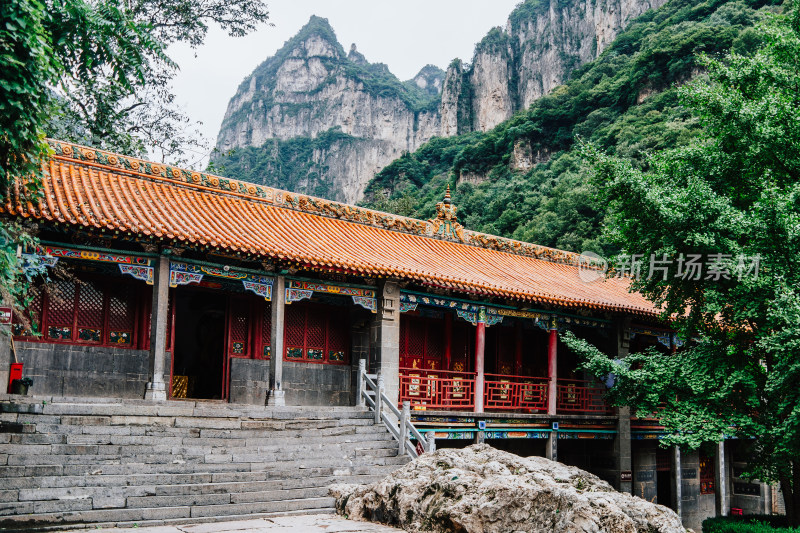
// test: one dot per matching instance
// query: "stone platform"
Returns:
(315, 523)
(65, 462)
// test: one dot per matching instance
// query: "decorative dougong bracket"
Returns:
(262, 289)
(295, 295)
(143, 273)
(184, 274)
(405, 307)
(473, 317)
(366, 302)
(304, 290)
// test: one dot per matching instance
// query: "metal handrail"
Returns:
(369, 394)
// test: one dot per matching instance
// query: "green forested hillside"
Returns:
(625, 102)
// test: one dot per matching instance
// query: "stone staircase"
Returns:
(67, 462)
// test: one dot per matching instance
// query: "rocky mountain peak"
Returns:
(429, 79)
(355, 56)
(315, 119)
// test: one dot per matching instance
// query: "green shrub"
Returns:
(747, 524)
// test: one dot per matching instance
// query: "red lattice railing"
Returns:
(515, 393)
(579, 396)
(431, 389)
(436, 389)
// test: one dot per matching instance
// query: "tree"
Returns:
(95, 72)
(734, 192)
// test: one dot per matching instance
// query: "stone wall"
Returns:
(644, 471)
(317, 384)
(81, 370)
(249, 381)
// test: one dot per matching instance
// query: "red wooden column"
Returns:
(480, 345)
(448, 340)
(552, 369)
(518, 350)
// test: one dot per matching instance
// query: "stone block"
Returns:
(125, 420)
(210, 423)
(108, 502)
(64, 505)
(16, 508)
(74, 420)
(175, 501)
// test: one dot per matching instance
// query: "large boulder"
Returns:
(481, 489)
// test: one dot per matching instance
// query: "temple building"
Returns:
(171, 284)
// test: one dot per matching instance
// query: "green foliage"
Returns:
(528, 10)
(15, 275)
(747, 524)
(28, 67)
(287, 164)
(734, 190)
(626, 102)
(94, 72)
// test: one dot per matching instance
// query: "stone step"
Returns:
(27, 518)
(261, 507)
(81, 465)
(170, 521)
(186, 431)
(156, 456)
(133, 408)
(278, 439)
(143, 490)
(94, 462)
(166, 484)
(268, 450)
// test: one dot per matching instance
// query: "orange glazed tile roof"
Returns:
(97, 189)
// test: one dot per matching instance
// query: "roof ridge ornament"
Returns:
(446, 222)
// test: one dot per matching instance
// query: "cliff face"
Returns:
(317, 120)
(542, 43)
(311, 87)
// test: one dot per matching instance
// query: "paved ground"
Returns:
(320, 523)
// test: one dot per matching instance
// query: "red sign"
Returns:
(5, 315)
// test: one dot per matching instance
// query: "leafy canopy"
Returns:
(735, 190)
(94, 72)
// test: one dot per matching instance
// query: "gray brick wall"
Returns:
(249, 381)
(645, 475)
(69, 370)
(316, 384)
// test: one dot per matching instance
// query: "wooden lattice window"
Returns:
(422, 343)
(94, 311)
(238, 327)
(316, 334)
(121, 315)
(706, 475)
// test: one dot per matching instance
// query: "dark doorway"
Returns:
(664, 488)
(199, 348)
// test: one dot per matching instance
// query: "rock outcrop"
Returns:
(541, 44)
(481, 489)
(311, 87)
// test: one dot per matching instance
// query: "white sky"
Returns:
(404, 34)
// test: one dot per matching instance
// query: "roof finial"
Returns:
(446, 223)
